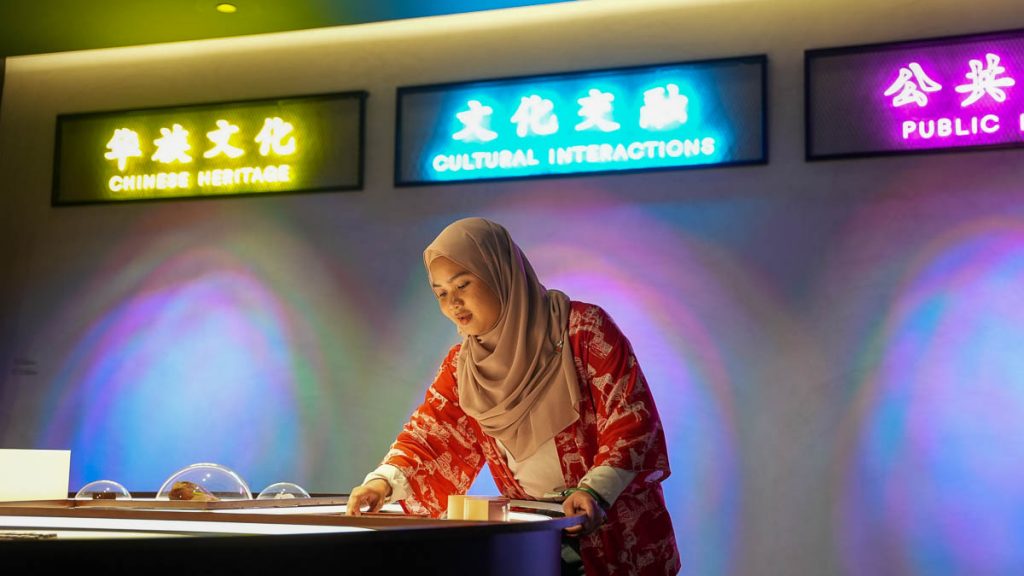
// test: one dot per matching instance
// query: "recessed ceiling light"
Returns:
(226, 8)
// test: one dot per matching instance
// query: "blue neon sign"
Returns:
(652, 117)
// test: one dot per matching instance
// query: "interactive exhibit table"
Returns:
(303, 535)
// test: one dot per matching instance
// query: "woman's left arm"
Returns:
(630, 434)
(630, 440)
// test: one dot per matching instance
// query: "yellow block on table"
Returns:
(456, 506)
(494, 509)
(487, 508)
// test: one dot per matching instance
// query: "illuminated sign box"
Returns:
(299, 144)
(911, 97)
(666, 116)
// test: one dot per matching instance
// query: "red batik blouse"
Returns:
(441, 449)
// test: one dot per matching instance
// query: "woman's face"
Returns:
(463, 297)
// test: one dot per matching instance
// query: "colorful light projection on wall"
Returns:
(301, 144)
(200, 344)
(939, 94)
(933, 483)
(673, 296)
(652, 117)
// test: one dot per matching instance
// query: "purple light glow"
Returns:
(933, 108)
(173, 352)
(689, 380)
(657, 287)
(955, 93)
(934, 485)
(179, 374)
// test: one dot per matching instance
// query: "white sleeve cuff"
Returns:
(608, 482)
(400, 488)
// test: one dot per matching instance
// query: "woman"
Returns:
(547, 392)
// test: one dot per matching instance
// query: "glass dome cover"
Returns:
(283, 490)
(103, 490)
(204, 482)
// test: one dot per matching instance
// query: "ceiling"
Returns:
(43, 26)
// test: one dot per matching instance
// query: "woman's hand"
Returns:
(580, 503)
(372, 494)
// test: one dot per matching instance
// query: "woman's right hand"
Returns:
(372, 494)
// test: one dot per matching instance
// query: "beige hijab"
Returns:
(519, 379)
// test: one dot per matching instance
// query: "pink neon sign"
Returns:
(964, 92)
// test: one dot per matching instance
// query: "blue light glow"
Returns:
(641, 118)
(934, 483)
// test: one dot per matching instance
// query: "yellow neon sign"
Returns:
(276, 137)
(220, 137)
(282, 145)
